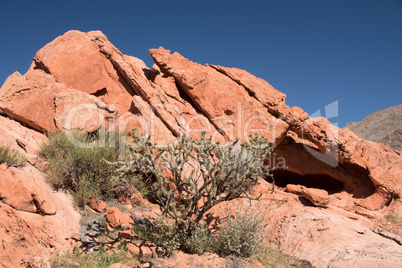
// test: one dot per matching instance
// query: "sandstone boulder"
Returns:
(329, 239)
(126, 234)
(317, 197)
(160, 93)
(97, 204)
(117, 218)
(34, 234)
(60, 108)
(294, 189)
(74, 60)
(25, 189)
(33, 217)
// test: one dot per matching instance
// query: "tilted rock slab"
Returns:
(40, 102)
(90, 63)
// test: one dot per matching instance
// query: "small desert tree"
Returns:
(192, 176)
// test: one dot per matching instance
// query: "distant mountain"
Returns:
(382, 126)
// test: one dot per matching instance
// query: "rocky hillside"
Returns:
(382, 126)
(333, 187)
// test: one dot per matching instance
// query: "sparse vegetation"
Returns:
(11, 157)
(186, 179)
(242, 235)
(271, 257)
(192, 176)
(101, 258)
(392, 223)
(82, 169)
(200, 241)
(162, 233)
(393, 217)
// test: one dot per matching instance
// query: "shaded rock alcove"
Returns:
(309, 170)
(319, 181)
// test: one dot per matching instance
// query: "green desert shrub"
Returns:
(102, 258)
(190, 176)
(272, 257)
(242, 235)
(11, 157)
(394, 218)
(201, 240)
(162, 233)
(77, 163)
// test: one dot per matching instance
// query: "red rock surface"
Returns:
(294, 189)
(226, 104)
(116, 218)
(97, 204)
(33, 217)
(26, 233)
(317, 197)
(26, 141)
(330, 237)
(38, 101)
(74, 60)
(25, 189)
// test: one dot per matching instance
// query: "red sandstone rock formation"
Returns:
(40, 102)
(181, 96)
(81, 81)
(33, 217)
(314, 150)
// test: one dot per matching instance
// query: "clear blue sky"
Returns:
(315, 51)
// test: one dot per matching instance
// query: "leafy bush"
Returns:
(84, 190)
(81, 169)
(242, 235)
(11, 157)
(200, 241)
(162, 233)
(192, 176)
